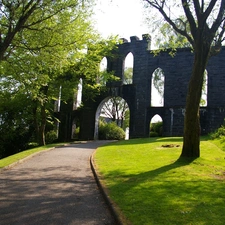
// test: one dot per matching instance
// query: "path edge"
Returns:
(19, 161)
(116, 212)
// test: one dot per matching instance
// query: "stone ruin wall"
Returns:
(177, 71)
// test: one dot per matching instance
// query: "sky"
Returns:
(124, 18)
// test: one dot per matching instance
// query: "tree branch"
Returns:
(169, 20)
(219, 19)
(209, 10)
(191, 20)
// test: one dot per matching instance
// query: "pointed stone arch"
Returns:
(103, 67)
(128, 69)
(103, 64)
(156, 126)
(204, 97)
(157, 88)
(122, 117)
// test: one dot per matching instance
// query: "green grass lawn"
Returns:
(151, 186)
(21, 155)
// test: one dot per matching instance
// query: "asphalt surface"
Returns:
(55, 187)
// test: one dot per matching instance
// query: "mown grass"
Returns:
(152, 186)
(21, 155)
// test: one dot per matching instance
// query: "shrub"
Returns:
(76, 133)
(51, 136)
(219, 133)
(13, 140)
(110, 131)
(153, 134)
(156, 129)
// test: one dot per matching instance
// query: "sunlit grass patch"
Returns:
(151, 185)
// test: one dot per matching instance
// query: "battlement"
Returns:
(146, 39)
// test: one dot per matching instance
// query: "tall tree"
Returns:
(43, 49)
(203, 25)
(17, 17)
(55, 46)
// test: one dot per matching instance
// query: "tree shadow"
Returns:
(54, 187)
(139, 197)
(146, 141)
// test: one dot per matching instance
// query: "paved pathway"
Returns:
(55, 187)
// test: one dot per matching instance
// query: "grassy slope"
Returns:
(151, 186)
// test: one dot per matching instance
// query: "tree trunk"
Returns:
(35, 121)
(44, 91)
(42, 126)
(192, 130)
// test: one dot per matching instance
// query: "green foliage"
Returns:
(126, 122)
(16, 127)
(51, 136)
(156, 129)
(24, 22)
(128, 75)
(158, 81)
(14, 140)
(116, 108)
(54, 49)
(219, 134)
(153, 134)
(110, 131)
(76, 133)
(167, 37)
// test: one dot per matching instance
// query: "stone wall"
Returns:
(177, 71)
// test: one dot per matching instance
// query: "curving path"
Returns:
(55, 187)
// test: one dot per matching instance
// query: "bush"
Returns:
(156, 129)
(51, 136)
(153, 134)
(110, 131)
(219, 133)
(14, 140)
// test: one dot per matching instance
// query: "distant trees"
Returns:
(115, 109)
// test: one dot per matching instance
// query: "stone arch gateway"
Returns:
(177, 71)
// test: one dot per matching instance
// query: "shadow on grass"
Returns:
(153, 139)
(154, 173)
(149, 198)
(140, 141)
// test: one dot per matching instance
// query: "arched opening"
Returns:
(75, 129)
(112, 110)
(128, 69)
(157, 88)
(204, 100)
(103, 65)
(78, 95)
(156, 126)
(102, 75)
